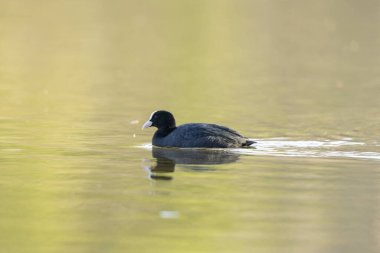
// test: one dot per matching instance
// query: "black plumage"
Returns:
(194, 135)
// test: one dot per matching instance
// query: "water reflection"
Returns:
(167, 158)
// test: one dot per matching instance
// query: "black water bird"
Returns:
(193, 135)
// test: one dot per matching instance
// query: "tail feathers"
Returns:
(248, 143)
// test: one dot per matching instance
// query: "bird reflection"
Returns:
(167, 158)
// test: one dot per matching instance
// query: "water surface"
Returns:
(78, 79)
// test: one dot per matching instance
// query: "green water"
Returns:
(79, 78)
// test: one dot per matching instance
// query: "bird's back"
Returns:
(201, 135)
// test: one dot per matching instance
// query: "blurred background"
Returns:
(78, 79)
(311, 68)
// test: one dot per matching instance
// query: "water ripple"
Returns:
(300, 148)
(306, 148)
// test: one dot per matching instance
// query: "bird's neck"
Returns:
(162, 132)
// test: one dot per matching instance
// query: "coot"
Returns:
(194, 135)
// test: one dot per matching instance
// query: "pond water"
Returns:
(79, 78)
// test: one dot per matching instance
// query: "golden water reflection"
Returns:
(76, 76)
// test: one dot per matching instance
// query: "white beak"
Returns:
(147, 124)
